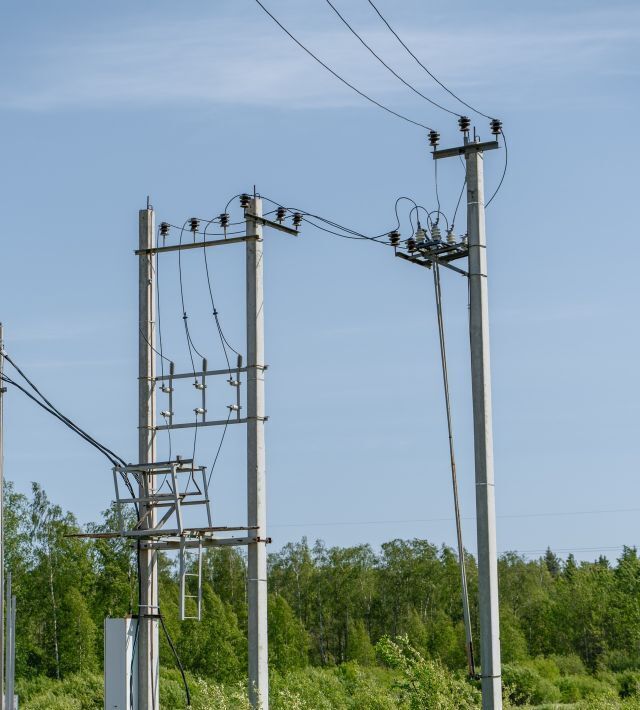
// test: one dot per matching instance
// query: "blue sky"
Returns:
(195, 102)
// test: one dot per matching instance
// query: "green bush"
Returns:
(579, 687)
(425, 683)
(570, 665)
(525, 686)
(628, 684)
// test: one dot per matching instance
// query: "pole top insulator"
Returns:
(244, 200)
(434, 138)
(496, 126)
(464, 122)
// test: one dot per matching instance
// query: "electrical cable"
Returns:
(223, 340)
(56, 412)
(191, 347)
(337, 76)
(455, 212)
(435, 163)
(353, 233)
(504, 172)
(104, 451)
(454, 477)
(177, 657)
(397, 36)
(215, 460)
(384, 64)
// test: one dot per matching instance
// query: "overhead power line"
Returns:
(384, 64)
(549, 514)
(426, 69)
(340, 78)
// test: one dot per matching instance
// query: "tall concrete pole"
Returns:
(256, 493)
(148, 640)
(483, 434)
(2, 626)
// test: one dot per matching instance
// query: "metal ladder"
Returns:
(190, 557)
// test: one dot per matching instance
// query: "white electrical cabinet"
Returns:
(120, 659)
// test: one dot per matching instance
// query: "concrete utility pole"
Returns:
(483, 433)
(256, 493)
(473, 151)
(148, 641)
(2, 391)
(10, 656)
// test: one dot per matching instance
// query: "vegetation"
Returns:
(349, 627)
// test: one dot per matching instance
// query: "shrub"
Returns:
(526, 686)
(579, 687)
(570, 665)
(424, 683)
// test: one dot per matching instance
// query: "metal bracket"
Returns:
(274, 225)
(471, 147)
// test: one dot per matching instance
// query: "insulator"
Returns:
(464, 122)
(166, 413)
(434, 138)
(199, 410)
(164, 229)
(281, 214)
(394, 237)
(193, 224)
(496, 126)
(411, 244)
(451, 237)
(233, 407)
(224, 219)
(435, 233)
(297, 219)
(465, 240)
(421, 236)
(245, 201)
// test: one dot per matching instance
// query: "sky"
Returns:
(193, 103)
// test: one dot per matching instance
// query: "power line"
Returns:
(504, 172)
(384, 64)
(435, 78)
(450, 519)
(337, 76)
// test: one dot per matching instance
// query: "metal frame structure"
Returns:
(164, 497)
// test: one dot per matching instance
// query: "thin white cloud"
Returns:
(223, 62)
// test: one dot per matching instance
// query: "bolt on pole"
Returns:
(148, 650)
(483, 434)
(256, 485)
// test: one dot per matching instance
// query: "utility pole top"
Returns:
(468, 147)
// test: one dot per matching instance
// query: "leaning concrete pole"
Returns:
(483, 434)
(256, 494)
(148, 641)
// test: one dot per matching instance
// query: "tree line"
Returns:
(328, 605)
